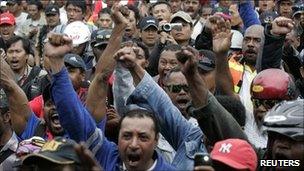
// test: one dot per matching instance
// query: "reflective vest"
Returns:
(237, 71)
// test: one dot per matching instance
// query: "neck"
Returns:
(20, 71)
(183, 42)
(17, 13)
(7, 134)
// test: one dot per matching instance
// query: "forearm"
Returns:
(272, 51)
(18, 106)
(198, 90)
(137, 73)
(106, 60)
(96, 99)
(224, 81)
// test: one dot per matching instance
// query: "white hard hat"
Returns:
(237, 40)
(78, 31)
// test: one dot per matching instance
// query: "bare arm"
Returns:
(18, 103)
(222, 35)
(96, 100)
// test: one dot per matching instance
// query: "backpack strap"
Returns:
(5, 154)
(34, 72)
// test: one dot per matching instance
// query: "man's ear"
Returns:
(6, 117)
(302, 71)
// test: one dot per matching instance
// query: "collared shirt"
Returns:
(256, 136)
(10, 162)
(29, 24)
(244, 94)
(150, 169)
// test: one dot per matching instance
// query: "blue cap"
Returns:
(75, 61)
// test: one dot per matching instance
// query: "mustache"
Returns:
(250, 51)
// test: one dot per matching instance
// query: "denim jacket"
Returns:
(184, 137)
(122, 89)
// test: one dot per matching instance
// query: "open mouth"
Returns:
(182, 102)
(14, 63)
(55, 120)
(133, 159)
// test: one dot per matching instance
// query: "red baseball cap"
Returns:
(7, 18)
(235, 153)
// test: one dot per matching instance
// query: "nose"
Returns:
(250, 43)
(134, 143)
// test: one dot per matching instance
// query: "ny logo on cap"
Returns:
(53, 9)
(225, 148)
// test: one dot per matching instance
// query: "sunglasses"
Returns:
(177, 88)
(268, 104)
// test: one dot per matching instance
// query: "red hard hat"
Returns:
(273, 84)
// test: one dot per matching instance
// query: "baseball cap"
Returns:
(273, 84)
(286, 118)
(268, 16)
(223, 12)
(146, 22)
(7, 18)
(78, 31)
(298, 9)
(206, 60)
(235, 153)
(183, 15)
(59, 150)
(51, 9)
(74, 60)
(100, 37)
(3, 4)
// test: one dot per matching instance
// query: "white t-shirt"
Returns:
(20, 21)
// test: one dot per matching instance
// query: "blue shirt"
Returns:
(81, 127)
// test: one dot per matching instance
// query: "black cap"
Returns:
(298, 9)
(206, 61)
(74, 61)
(14, 1)
(100, 37)
(268, 16)
(146, 22)
(51, 9)
(59, 150)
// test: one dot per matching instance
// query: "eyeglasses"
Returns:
(268, 104)
(177, 88)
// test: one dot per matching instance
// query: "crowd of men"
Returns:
(207, 85)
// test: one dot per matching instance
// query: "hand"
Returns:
(5, 71)
(221, 33)
(33, 32)
(281, 26)
(57, 46)
(120, 14)
(187, 58)
(88, 162)
(166, 37)
(127, 56)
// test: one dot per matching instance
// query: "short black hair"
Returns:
(173, 70)
(144, 48)
(104, 11)
(78, 3)
(26, 44)
(37, 3)
(161, 2)
(234, 107)
(171, 47)
(141, 113)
